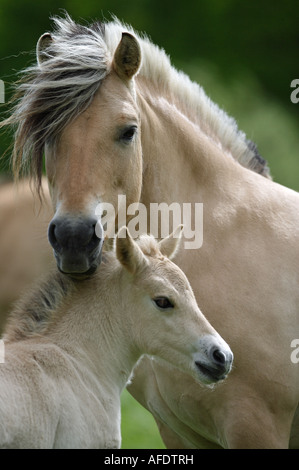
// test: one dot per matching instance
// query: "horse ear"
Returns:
(43, 42)
(127, 57)
(169, 246)
(128, 252)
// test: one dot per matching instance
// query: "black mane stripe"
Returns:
(257, 163)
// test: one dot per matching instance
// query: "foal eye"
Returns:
(163, 303)
(128, 134)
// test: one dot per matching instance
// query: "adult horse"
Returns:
(114, 117)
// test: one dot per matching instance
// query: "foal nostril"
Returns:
(219, 357)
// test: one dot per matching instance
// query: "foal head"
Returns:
(163, 316)
(97, 155)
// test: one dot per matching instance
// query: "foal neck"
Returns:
(99, 328)
(85, 319)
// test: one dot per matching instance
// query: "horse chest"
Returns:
(176, 406)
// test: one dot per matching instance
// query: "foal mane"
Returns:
(79, 58)
(34, 311)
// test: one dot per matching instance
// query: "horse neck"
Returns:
(94, 330)
(176, 151)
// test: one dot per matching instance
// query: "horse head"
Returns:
(96, 157)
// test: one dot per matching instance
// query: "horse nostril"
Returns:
(219, 356)
(52, 237)
(94, 239)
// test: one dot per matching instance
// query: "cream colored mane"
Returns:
(190, 98)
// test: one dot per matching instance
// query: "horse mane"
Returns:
(79, 58)
(33, 312)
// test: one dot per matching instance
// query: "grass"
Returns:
(139, 429)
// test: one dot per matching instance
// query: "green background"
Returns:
(244, 53)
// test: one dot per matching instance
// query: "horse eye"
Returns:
(163, 303)
(128, 134)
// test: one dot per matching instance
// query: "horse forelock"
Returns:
(53, 93)
(79, 58)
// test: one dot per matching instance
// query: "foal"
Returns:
(70, 347)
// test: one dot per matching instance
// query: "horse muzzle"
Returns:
(77, 247)
(216, 363)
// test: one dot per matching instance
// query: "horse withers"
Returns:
(70, 347)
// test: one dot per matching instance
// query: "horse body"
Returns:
(250, 254)
(151, 134)
(70, 349)
(24, 249)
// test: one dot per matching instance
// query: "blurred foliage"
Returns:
(245, 55)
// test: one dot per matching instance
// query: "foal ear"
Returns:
(127, 57)
(43, 42)
(128, 252)
(169, 246)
